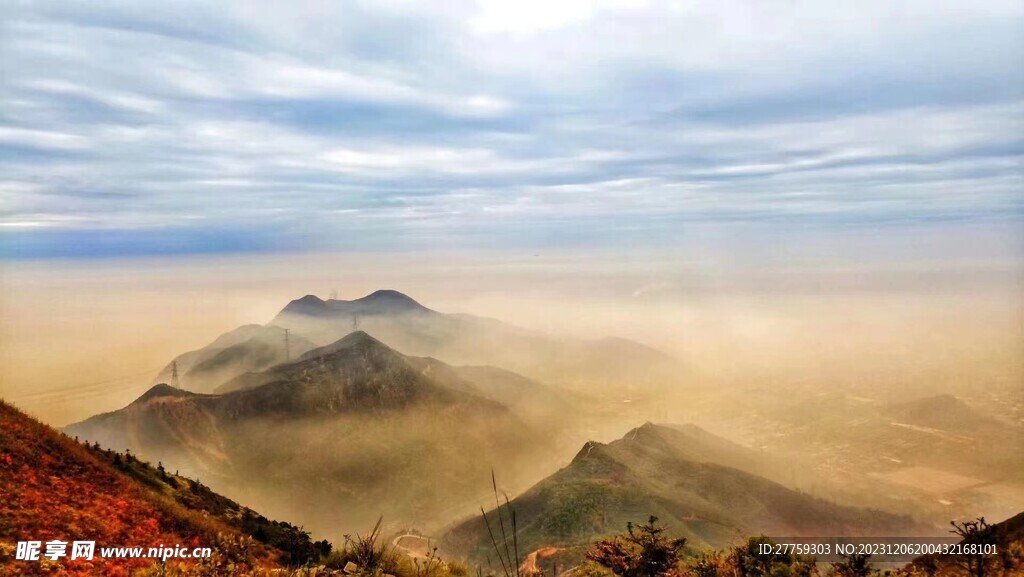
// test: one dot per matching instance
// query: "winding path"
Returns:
(415, 553)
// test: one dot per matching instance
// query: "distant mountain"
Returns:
(56, 488)
(334, 438)
(247, 348)
(677, 476)
(942, 412)
(189, 359)
(612, 367)
(621, 367)
(381, 302)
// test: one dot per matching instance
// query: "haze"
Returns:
(921, 311)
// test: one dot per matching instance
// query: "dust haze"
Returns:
(99, 330)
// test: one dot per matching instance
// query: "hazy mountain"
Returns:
(233, 337)
(617, 366)
(943, 412)
(613, 367)
(247, 348)
(381, 302)
(527, 397)
(334, 438)
(56, 488)
(678, 476)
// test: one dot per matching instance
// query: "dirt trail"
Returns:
(417, 551)
(529, 565)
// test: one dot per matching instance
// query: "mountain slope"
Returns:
(247, 348)
(333, 439)
(527, 397)
(648, 472)
(189, 359)
(56, 488)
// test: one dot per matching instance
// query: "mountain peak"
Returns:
(163, 390)
(647, 436)
(307, 305)
(359, 338)
(391, 300)
(380, 302)
(356, 341)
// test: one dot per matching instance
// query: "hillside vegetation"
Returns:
(58, 488)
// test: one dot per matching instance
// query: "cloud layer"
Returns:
(196, 127)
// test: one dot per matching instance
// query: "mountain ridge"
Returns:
(713, 505)
(381, 301)
(615, 364)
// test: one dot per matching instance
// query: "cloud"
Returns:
(399, 122)
(32, 138)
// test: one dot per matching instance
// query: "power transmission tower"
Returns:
(334, 294)
(174, 375)
(287, 349)
(355, 323)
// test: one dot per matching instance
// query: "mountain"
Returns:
(56, 488)
(381, 302)
(942, 412)
(539, 405)
(189, 359)
(357, 373)
(673, 474)
(609, 368)
(335, 438)
(245, 349)
(621, 367)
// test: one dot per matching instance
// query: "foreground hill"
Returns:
(333, 439)
(678, 476)
(55, 488)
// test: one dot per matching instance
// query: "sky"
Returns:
(137, 129)
(752, 186)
